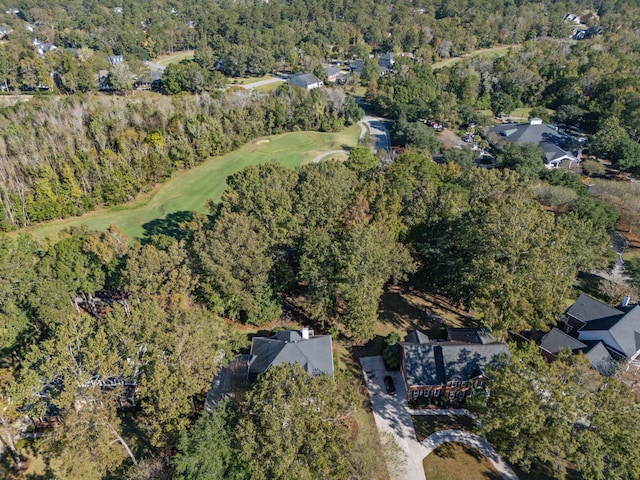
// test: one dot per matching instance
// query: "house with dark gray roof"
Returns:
(450, 370)
(313, 353)
(333, 74)
(556, 341)
(416, 336)
(555, 144)
(308, 81)
(618, 328)
(480, 335)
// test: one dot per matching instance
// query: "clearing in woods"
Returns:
(176, 57)
(189, 190)
(493, 52)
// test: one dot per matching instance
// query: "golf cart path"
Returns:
(326, 154)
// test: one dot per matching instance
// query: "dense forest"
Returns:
(62, 156)
(92, 323)
(108, 344)
(259, 37)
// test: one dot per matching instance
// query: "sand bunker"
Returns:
(262, 142)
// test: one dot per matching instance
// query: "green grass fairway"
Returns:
(493, 52)
(174, 58)
(189, 190)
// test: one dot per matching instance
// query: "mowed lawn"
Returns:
(174, 58)
(493, 52)
(453, 461)
(190, 190)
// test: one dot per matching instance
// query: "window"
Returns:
(436, 392)
(464, 384)
(461, 395)
(426, 393)
(415, 394)
(454, 384)
(452, 395)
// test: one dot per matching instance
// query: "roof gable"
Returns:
(438, 363)
(480, 335)
(626, 331)
(416, 336)
(553, 142)
(600, 359)
(315, 354)
(420, 365)
(556, 340)
(587, 309)
(464, 362)
(304, 80)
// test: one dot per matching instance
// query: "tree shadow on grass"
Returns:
(170, 226)
(468, 461)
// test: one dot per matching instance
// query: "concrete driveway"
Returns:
(392, 415)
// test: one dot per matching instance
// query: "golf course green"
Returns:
(190, 190)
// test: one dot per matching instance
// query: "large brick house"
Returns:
(452, 369)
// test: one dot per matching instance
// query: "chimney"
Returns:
(625, 301)
(305, 333)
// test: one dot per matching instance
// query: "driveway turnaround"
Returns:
(392, 415)
(436, 439)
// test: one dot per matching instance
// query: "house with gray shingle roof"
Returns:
(308, 81)
(556, 341)
(451, 369)
(618, 328)
(313, 353)
(555, 144)
(333, 74)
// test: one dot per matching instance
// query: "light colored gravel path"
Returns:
(436, 439)
(326, 154)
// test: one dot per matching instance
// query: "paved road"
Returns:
(326, 154)
(262, 83)
(379, 128)
(392, 415)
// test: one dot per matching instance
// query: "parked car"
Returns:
(391, 387)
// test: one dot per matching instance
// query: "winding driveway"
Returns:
(393, 416)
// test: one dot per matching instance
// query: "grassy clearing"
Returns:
(189, 191)
(405, 307)
(268, 88)
(247, 80)
(454, 460)
(174, 58)
(493, 52)
(631, 253)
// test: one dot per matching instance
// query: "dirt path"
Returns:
(450, 139)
